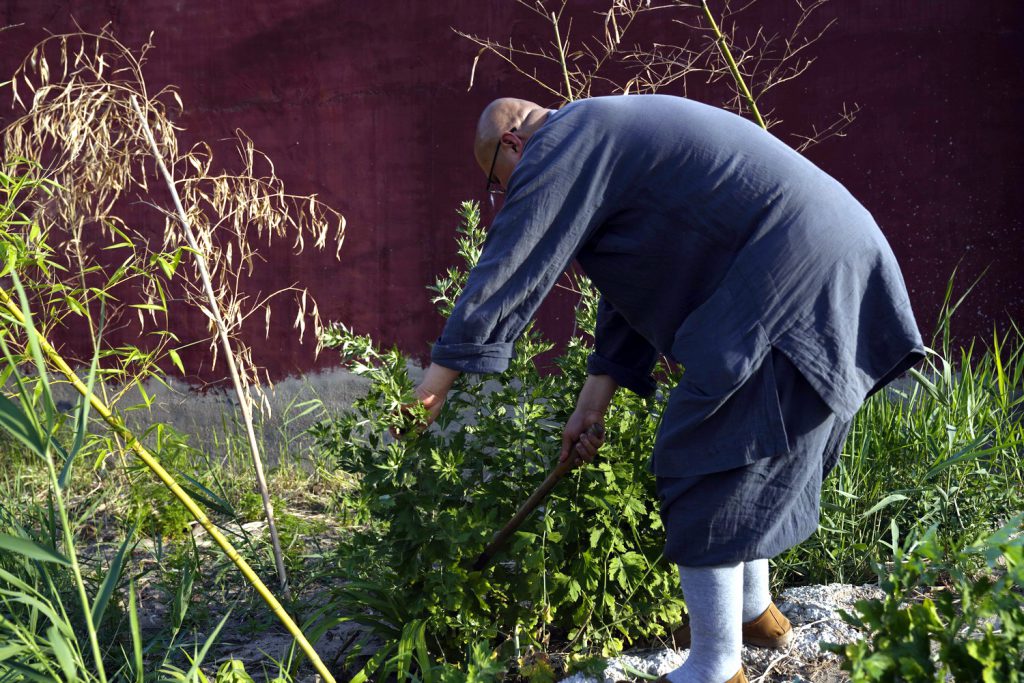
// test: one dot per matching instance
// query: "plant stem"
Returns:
(222, 333)
(76, 569)
(561, 54)
(153, 464)
(723, 45)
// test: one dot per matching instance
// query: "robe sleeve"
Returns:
(620, 351)
(554, 202)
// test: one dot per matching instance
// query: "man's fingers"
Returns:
(586, 448)
(567, 441)
(581, 443)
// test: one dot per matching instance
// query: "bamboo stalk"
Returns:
(150, 460)
(569, 97)
(222, 334)
(723, 45)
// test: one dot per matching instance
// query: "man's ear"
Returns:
(512, 140)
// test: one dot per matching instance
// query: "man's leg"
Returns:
(756, 595)
(714, 599)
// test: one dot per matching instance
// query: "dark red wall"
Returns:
(366, 104)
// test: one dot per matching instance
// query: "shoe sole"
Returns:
(777, 643)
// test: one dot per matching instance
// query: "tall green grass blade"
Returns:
(928, 385)
(205, 495)
(10, 650)
(38, 605)
(136, 634)
(62, 653)
(233, 671)
(997, 356)
(99, 605)
(64, 476)
(82, 407)
(885, 502)
(29, 673)
(201, 655)
(15, 422)
(967, 454)
(423, 655)
(49, 405)
(406, 646)
(16, 582)
(374, 664)
(183, 596)
(31, 549)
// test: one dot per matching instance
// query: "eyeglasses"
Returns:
(493, 184)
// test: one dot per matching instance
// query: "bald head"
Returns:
(501, 116)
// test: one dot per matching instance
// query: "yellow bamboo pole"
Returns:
(723, 45)
(150, 460)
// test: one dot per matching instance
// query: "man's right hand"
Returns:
(578, 440)
(591, 405)
(431, 393)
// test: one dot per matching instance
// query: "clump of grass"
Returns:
(942, 450)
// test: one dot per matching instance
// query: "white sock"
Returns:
(714, 600)
(756, 596)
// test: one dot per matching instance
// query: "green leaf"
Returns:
(31, 550)
(888, 500)
(136, 632)
(166, 267)
(99, 605)
(176, 359)
(149, 307)
(211, 639)
(62, 653)
(16, 423)
(29, 673)
(233, 671)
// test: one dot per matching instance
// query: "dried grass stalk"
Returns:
(90, 121)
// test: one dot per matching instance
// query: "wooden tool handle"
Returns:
(532, 502)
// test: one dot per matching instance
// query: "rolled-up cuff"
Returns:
(475, 358)
(640, 383)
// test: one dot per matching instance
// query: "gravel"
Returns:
(814, 612)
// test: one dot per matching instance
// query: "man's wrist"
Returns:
(438, 380)
(597, 393)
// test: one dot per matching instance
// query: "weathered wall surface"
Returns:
(366, 104)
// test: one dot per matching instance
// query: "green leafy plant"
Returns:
(970, 628)
(584, 572)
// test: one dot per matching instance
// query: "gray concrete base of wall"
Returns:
(211, 418)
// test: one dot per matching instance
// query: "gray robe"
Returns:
(712, 243)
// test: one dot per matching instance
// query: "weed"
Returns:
(584, 572)
(969, 629)
(943, 451)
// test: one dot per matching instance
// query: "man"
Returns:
(716, 245)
